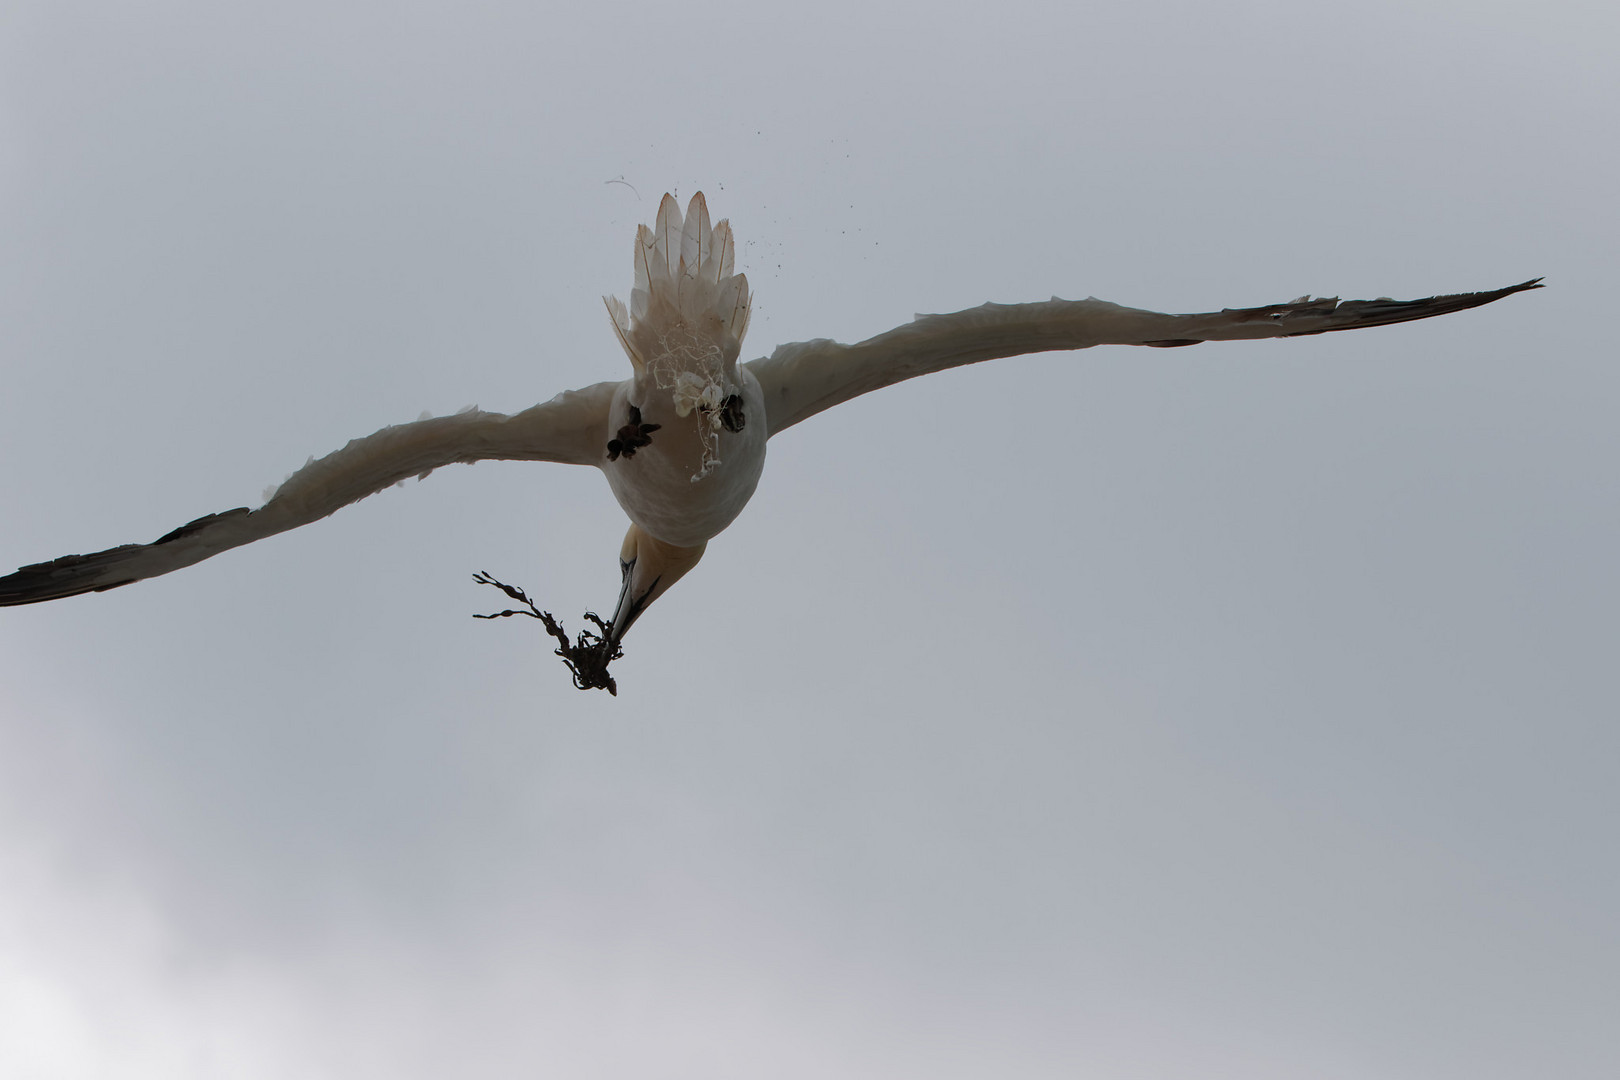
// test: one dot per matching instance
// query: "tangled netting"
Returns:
(691, 367)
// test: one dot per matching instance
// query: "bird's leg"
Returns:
(587, 657)
(632, 437)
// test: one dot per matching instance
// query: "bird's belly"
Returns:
(690, 482)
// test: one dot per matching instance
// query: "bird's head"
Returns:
(649, 567)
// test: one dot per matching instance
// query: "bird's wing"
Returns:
(569, 428)
(806, 377)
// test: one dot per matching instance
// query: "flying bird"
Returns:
(682, 440)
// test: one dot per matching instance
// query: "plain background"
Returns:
(1246, 710)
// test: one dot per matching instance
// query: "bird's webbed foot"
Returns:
(632, 437)
(587, 657)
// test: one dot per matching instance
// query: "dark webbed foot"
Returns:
(632, 437)
(587, 657)
(731, 413)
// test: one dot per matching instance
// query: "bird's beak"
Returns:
(649, 567)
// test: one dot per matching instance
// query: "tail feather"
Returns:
(687, 298)
(695, 236)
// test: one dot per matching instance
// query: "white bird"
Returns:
(682, 441)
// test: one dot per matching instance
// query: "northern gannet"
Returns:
(682, 441)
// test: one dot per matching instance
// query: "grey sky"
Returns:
(1241, 710)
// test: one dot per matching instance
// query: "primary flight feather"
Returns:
(682, 441)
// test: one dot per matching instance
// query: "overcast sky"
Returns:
(1246, 710)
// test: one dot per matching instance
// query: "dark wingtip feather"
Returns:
(1357, 314)
(69, 575)
(72, 575)
(192, 527)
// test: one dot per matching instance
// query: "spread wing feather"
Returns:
(570, 429)
(806, 377)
